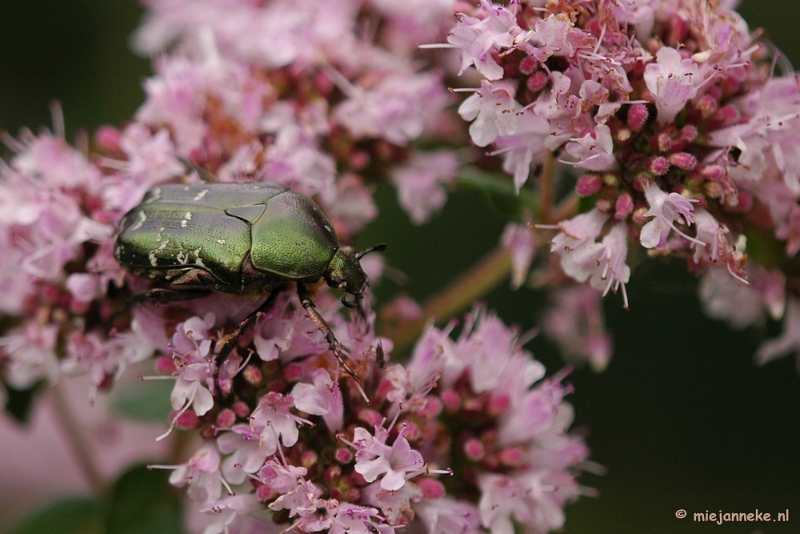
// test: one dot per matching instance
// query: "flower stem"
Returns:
(491, 270)
(76, 441)
(455, 298)
(546, 189)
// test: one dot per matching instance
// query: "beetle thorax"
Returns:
(345, 272)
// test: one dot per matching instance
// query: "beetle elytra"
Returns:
(241, 239)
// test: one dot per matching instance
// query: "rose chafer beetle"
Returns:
(238, 238)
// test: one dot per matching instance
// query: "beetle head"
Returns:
(345, 272)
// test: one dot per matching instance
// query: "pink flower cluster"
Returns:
(470, 435)
(285, 92)
(684, 137)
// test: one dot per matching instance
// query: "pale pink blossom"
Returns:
(395, 462)
(323, 397)
(520, 240)
(593, 151)
(673, 80)
(666, 210)
(493, 110)
(478, 39)
(789, 340)
(201, 473)
(421, 183)
(246, 453)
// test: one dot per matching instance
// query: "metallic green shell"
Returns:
(293, 238)
(214, 226)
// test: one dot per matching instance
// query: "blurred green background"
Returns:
(682, 418)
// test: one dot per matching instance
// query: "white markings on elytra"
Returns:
(155, 194)
(200, 195)
(154, 253)
(221, 241)
(186, 219)
(139, 221)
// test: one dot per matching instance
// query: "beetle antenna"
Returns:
(375, 248)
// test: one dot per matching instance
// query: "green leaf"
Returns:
(74, 515)
(20, 402)
(145, 400)
(143, 502)
(500, 190)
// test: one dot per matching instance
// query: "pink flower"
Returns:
(578, 231)
(396, 109)
(478, 39)
(322, 398)
(594, 151)
(520, 240)
(667, 209)
(494, 111)
(396, 462)
(525, 147)
(556, 35)
(576, 323)
(202, 475)
(272, 420)
(420, 183)
(246, 453)
(195, 374)
(352, 519)
(30, 353)
(448, 516)
(788, 341)
(673, 82)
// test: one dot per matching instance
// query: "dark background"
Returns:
(682, 418)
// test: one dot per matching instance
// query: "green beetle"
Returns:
(242, 239)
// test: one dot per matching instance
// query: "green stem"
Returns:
(455, 298)
(76, 441)
(491, 270)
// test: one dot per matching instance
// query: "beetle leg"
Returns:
(164, 295)
(159, 295)
(246, 323)
(307, 301)
(304, 292)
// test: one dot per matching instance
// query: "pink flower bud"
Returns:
(226, 418)
(108, 138)
(241, 409)
(707, 106)
(727, 115)
(683, 160)
(474, 450)
(498, 404)
(512, 457)
(588, 184)
(309, 459)
(292, 372)
(187, 420)
(252, 375)
(688, 134)
(663, 143)
(370, 417)
(165, 365)
(431, 488)
(658, 166)
(637, 117)
(451, 400)
(537, 81)
(623, 207)
(343, 455)
(528, 65)
(712, 172)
